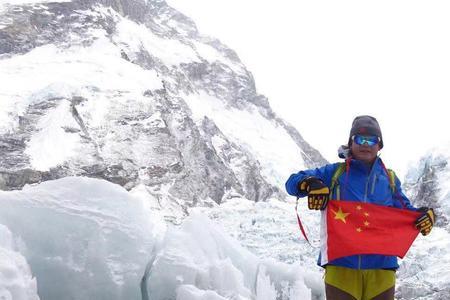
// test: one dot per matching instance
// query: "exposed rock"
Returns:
(152, 138)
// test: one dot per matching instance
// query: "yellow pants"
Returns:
(361, 284)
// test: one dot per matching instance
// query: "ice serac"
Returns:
(130, 92)
(16, 280)
(428, 183)
(424, 274)
(83, 238)
(210, 265)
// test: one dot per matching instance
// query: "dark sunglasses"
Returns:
(370, 140)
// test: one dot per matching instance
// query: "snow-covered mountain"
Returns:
(129, 91)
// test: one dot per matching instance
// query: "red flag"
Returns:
(363, 228)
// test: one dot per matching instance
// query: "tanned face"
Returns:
(364, 152)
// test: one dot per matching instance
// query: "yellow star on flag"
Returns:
(359, 207)
(366, 223)
(340, 215)
(366, 214)
(359, 229)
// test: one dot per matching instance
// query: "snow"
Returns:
(427, 267)
(52, 138)
(52, 72)
(271, 144)
(190, 292)
(18, 2)
(212, 55)
(134, 37)
(16, 281)
(4, 3)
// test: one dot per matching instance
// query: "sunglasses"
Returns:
(370, 140)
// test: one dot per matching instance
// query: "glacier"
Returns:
(90, 239)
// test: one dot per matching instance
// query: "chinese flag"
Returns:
(362, 228)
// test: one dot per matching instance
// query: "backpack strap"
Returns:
(335, 180)
(392, 176)
(395, 193)
(341, 169)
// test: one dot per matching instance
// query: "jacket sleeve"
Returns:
(400, 199)
(324, 173)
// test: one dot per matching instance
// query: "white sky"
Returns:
(321, 63)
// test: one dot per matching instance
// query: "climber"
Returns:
(363, 177)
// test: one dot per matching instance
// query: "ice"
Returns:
(204, 256)
(90, 239)
(83, 238)
(201, 255)
(433, 172)
(16, 281)
(190, 292)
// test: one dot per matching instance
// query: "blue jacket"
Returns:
(365, 185)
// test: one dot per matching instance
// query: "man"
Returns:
(363, 178)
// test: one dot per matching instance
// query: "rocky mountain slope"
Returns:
(130, 91)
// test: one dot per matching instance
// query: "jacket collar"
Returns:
(360, 165)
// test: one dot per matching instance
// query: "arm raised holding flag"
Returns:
(366, 220)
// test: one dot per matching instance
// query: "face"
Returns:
(364, 152)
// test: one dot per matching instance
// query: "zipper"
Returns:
(365, 200)
(365, 191)
(367, 183)
(372, 190)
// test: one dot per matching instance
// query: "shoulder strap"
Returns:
(391, 175)
(335, 179)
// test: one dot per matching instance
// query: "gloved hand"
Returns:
(426, 221)
(318, 192)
